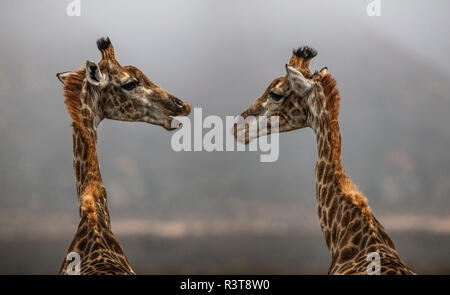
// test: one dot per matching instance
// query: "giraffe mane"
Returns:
(73, 90)
(348, 189)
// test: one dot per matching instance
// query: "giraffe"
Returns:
(92, 93)
(304, 99)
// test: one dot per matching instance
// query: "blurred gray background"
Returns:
(225, 212)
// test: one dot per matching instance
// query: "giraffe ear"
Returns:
(93, 74)
(299, 84)
(63, 76)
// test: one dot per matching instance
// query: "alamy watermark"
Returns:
(374, 267)
(374, 8)
(74, 8)
(255, 128)
(74, 266)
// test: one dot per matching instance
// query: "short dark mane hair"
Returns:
(103, 43)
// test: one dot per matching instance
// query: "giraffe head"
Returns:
(124, 93)
(296, 99)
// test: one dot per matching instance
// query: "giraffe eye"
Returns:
(276, 96)
(130, 85)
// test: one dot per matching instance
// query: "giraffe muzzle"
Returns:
(181, 108)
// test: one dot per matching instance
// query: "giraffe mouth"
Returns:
(175, 123)
(172, 123)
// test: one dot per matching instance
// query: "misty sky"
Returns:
(393, 72)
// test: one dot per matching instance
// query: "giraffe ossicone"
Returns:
(106, 90)
(304, 99)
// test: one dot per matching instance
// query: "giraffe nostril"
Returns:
(178, 102)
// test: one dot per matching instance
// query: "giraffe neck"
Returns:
(86, 115)
(342, 210)
(351, 232)
(326, 186)
(84, 138)
(84, 184)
